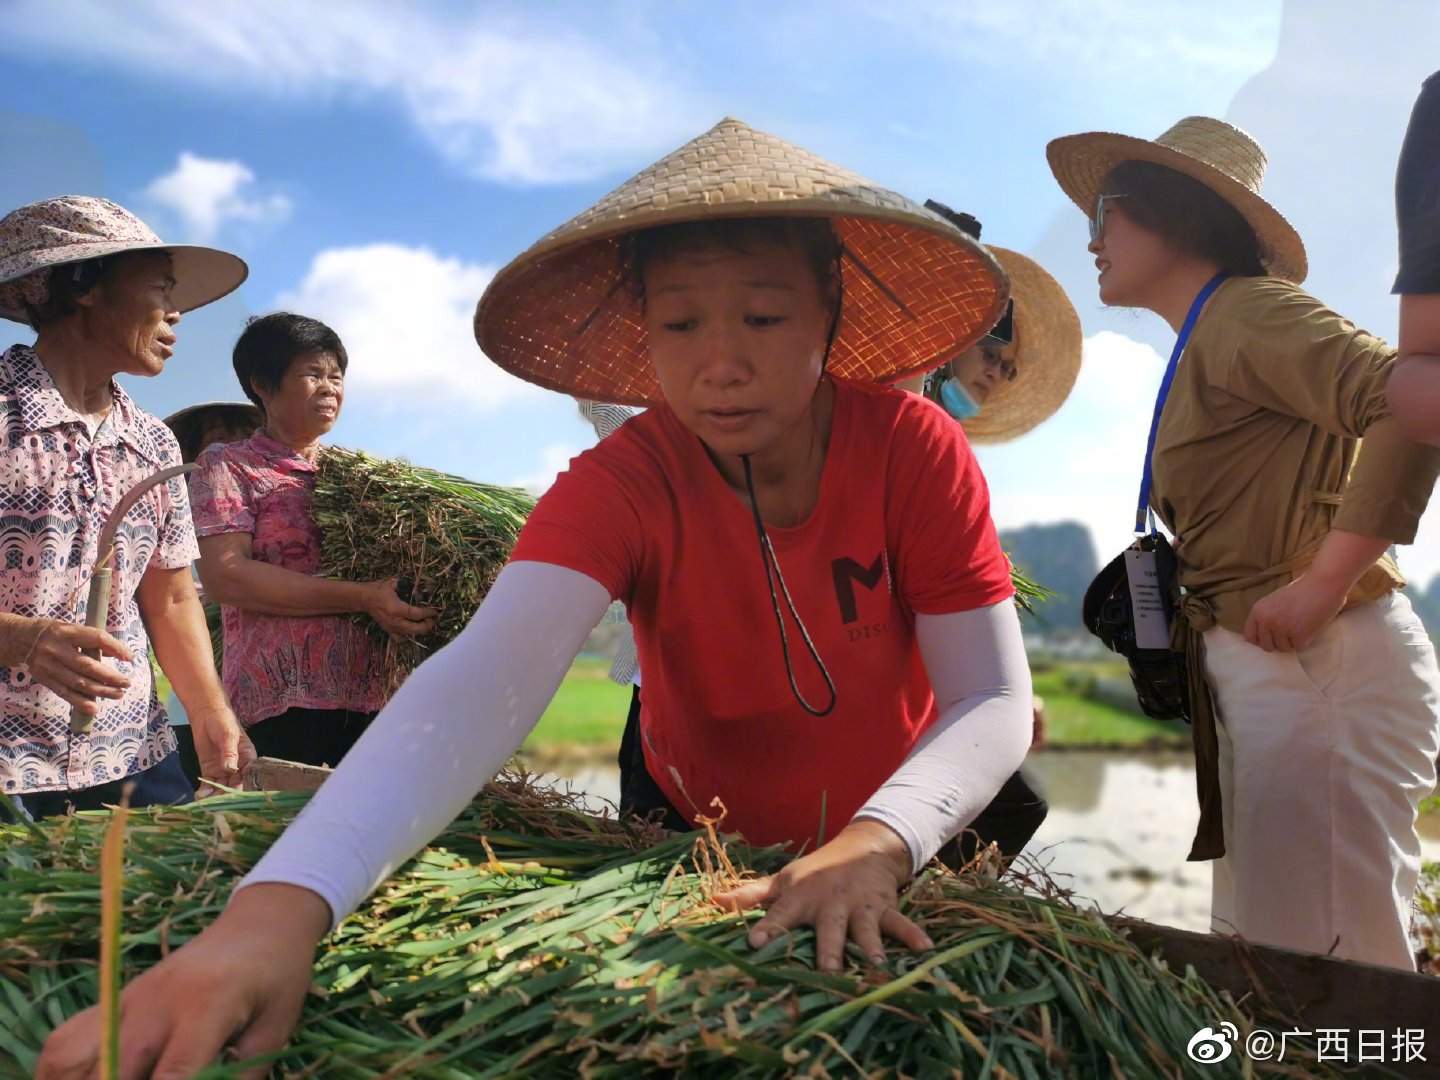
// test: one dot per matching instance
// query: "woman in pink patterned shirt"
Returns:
(300, 672)
(103, 295)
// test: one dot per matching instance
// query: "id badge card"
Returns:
(1152, 627)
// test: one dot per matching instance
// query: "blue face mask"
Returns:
(956, 400)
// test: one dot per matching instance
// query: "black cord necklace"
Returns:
(767, 557)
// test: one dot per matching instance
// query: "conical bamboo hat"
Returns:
(916, 289)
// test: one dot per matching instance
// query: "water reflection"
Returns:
(1118, 833)
(1119, 829)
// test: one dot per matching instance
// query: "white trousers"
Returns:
(1325, 754)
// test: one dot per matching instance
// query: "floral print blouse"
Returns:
(58, 483)
(273, 663)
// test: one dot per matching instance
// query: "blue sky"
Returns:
(375, 163)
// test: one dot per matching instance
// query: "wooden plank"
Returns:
(274, 774)
(1315, 991)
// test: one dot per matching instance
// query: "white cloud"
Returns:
(1173, 41)
(206, 193)
(1084, 463)
(554, 459)
(405, 315)
(504, 99)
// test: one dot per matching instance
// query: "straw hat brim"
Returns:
(1081, 163)
(188, 423)
(195, 413)
(561, 315)
(1048, 347)
(202, 274)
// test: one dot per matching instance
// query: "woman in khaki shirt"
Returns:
(1323, 683)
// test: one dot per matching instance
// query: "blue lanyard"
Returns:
(1142, 512)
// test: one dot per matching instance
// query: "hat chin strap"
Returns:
(834, 323)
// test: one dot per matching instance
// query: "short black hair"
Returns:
(270, 344)
(814, 236)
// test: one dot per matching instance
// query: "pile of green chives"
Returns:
(531, 939)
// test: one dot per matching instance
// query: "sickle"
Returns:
(97, 605)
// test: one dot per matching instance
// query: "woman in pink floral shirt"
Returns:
(103, 295)
(300, 672)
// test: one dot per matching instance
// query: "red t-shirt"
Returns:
(902, 525)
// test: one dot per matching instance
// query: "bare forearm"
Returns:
(1414, 397)
(181, 640)
(272, 590)
(1343, 557)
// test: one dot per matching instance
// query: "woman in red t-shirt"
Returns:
(822, 611)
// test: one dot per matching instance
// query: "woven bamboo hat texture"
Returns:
(75, 228)
(1222, 157)
(1047, 350)
(916, 289)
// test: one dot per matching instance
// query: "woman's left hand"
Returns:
(848, 888)
(1292, 616)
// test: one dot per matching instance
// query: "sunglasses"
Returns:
(991, 355)
(1097, 220)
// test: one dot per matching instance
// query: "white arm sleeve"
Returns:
(454, 722)
(977, 667)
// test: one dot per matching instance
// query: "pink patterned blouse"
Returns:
(58, 483)
(274, 663)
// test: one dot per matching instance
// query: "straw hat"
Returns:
(1047, 353)
(1222, 157)
(197, 413)
(73, 228)
(187, 423)
(917, 289)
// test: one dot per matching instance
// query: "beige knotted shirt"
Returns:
(1259, 455)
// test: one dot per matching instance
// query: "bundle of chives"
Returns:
(445, 537)
(1027, 593)
(534, 940)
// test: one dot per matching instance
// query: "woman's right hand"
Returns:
(397, 618)
(50, 650)
(240, 984)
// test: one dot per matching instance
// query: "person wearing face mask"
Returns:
(104, 296)
(1015, 378)
(1018, 375)
(963, 386)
